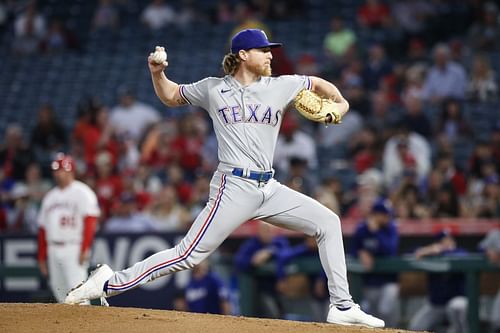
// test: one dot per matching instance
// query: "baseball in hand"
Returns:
(159, 56)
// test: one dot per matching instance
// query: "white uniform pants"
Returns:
(383, 302)
(233, 201)
(64, 270)
(429, 316)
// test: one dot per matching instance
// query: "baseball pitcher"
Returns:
(67, 221)
(246, 107)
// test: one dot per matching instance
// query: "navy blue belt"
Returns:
(255, 175)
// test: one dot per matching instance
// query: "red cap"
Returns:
(63, 161)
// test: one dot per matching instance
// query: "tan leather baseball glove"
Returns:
(316, 108)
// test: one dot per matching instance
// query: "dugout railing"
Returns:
(472, 267)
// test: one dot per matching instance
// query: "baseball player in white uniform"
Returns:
(246, 107)
(67, 222)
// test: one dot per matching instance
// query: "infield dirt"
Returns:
(33, 317)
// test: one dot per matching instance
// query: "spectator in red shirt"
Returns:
(108, 184)
(374, 14)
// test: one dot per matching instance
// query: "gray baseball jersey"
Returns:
(246, 121)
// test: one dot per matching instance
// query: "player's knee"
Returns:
(457, 305)
(331, 224)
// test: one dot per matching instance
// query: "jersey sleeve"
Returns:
(196, 93)
(292, 84)
(88, 203)
(41, 218)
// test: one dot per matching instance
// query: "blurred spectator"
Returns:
(365, 149)
(326, 194)
(408, 202)
(37, 186)
(29, 29)
(302, 287)
(189, 15)
(96, 134)
(451, 124)
(369, 188)
(58, 38)
(223, 12)
(166, 211)
(130, 118)
(451, 174)
(417, 55)
(446, 302)
(145, 180)
(353, 87)
(158, 14)
(175, 176)
(108, 184)
(447, 204)
(280, 63)
(445, 78)
(482, 86)
(22, 215)
(485, 34)
(487, 203)
(377, 67)
(415, 118)
(205, 292)
(188, 146)
(412, 16)
(381, 115)
(48, 136)
(126, 218)
(157, 150)
(106, 17)
(247, 18)
(307, 64)
(377, 237)
(25, 199)
(414, 82)
(256, 252)
(374, 14)
(491, 247)
(15, 154)
(339, 39)
(481, 156)
(405, 151)
(292, 142)
(299, 177)
(199, 195)
(335, 138)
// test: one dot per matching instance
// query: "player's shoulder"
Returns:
(50, 193)
(289, 79)
(209, 81)
(79, 186)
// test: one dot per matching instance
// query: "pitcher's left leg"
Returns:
(285, 207)
(296, 211)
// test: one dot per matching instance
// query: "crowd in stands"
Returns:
(409, 135)
(423, 128)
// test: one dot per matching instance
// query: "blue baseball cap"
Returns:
(250, 39)
(382, 206)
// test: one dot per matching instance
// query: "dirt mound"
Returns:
(66, 318)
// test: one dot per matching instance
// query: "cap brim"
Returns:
(270, 45)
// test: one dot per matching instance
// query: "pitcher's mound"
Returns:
(31, 318)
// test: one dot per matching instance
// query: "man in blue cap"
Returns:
(446, 301)
(378, 237)
(246, 107)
